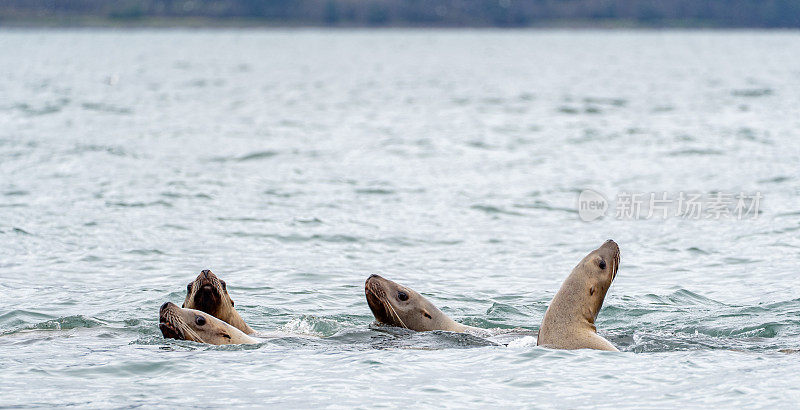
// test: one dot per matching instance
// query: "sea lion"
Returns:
(397, 305)
(569, 320)
(208, 293)
(190, 324)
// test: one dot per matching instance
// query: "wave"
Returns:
(495, 210)
(342, 238)
(106, 108)
(695, 152)
(20, 320)
(257, 155)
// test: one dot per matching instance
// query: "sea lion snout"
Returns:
(375, 299)
(167, 321)
(373, 288)
(610, 245)
(165, 308)
(206, 279)
(374, 285)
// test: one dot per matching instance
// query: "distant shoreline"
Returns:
(464, 14)
(246, 23)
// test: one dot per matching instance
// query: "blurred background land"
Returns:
(403, 13)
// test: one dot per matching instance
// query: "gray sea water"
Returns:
(295, 163)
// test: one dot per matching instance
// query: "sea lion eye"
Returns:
(200, 320)
(602, 264)
(402, 296)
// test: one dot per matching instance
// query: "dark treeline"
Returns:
(440, 13)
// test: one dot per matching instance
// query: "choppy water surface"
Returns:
(296, 163)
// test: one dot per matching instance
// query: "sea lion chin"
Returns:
(207, 298)
(397, 305)
(194, 325)
(209, 294)
(569, 320)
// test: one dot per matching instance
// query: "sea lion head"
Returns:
(568, 322)
(194, 325)
(209, 294)
(593, 276)
(397, 305)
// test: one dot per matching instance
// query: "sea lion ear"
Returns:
(183, 305)
(224, 285)
(232, 304)
(426, 314)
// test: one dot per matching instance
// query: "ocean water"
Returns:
(296, 163)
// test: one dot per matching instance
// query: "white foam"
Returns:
(527, 341)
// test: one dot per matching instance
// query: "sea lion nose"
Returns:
(610, 244)
(164, 306)
(369, 279)
(205, 273)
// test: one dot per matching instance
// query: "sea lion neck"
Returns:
(572, 298)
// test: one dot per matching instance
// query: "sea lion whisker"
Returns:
(396, 315)
(190, 334)
(381, 295)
